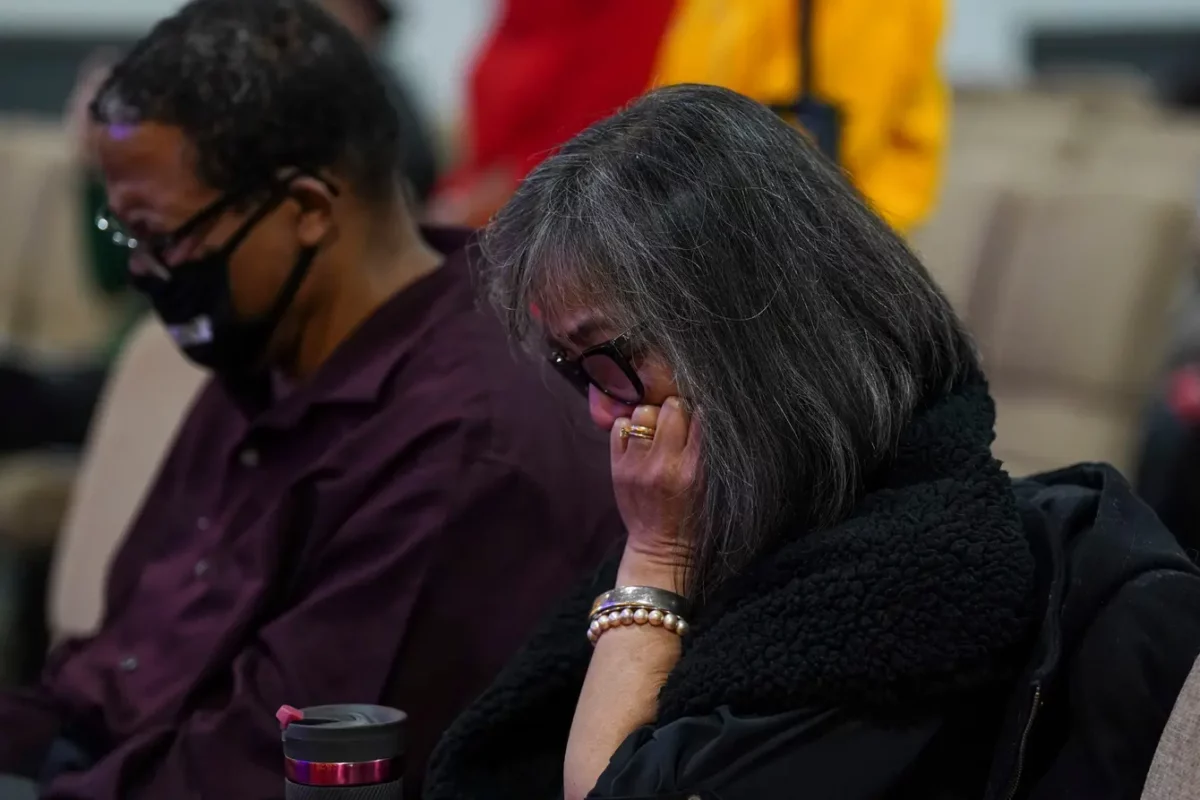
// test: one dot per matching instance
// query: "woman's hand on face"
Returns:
(655, 482)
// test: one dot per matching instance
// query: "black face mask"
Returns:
(195, 302)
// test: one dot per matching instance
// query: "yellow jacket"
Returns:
(876, 60)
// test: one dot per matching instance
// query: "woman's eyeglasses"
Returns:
(605, 366)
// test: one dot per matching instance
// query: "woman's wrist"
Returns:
(638, 568)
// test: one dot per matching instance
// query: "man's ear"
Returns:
(315, 198)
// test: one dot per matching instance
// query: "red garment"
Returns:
(550, 69)
(1183, 394)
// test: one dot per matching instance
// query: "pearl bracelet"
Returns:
(635, 616)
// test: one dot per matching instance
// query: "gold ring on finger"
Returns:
(638, 432)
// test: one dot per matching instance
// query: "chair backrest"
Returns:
(149, 391)
(1063, 234)
(48, 308)
(1175, 772)
(21, 176)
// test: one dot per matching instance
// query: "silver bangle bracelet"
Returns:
(635, 597)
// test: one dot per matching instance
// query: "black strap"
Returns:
(819, 118)
(807, 83)
(804, 14)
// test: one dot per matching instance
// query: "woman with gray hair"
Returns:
(830, 588)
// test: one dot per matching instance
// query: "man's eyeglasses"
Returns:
(159, 246)
(605, 366)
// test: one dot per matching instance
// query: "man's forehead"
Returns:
(145, 142)
(146, 162)
(120, 131)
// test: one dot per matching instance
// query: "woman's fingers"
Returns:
(654, 477)
(643, 428)
(666, 430)
(673, 423)
(618, 439)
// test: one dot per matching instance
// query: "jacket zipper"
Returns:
(1033, 712)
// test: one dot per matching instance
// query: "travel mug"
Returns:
(343, 752)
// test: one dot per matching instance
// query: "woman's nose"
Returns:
(606, 411)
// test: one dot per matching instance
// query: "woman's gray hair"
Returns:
(800, 327)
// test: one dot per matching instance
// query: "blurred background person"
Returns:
(863, 77)
(546, 70)
(374, 22)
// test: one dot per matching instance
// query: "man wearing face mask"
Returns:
(39, 409)
(372, 501)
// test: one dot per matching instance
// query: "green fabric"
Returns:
(108, 263)
(108, 266)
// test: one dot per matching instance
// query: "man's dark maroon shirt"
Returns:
(388, 532)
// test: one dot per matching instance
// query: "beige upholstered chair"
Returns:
(48, 311)
(1062, 235)
(149, 392)
(1175, 771)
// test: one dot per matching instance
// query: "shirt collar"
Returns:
(357, 370)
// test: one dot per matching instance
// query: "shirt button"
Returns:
(249, 457)
(202, 523)
(200, 568)
(129, 664)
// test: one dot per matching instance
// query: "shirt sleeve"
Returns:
(368, 598)
(723, 756)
